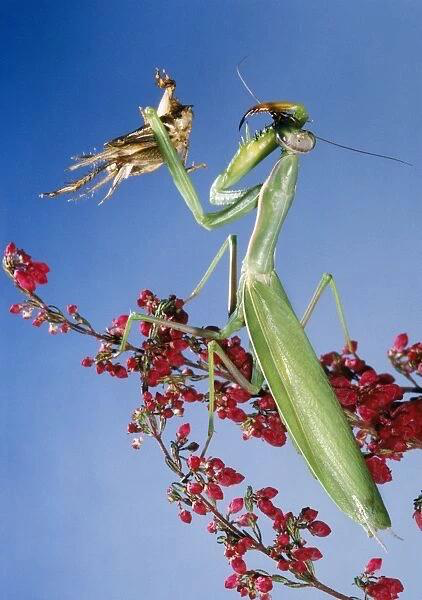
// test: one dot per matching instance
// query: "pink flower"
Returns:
(136, 443)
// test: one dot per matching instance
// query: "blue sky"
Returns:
(86, 516)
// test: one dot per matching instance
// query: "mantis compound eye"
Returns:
(299, 142)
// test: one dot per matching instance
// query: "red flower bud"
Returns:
(267, 507)
(132, 428)
(247, 520)
(283, 539)
(417, 515)
(214, 491)
(10, 249)
(231, 582)
(194, 462)
(145, 328)
(373, 565)
(319, 528)
(307, 554)
(236, 505)
(15, 309)
(194, 487)
(185, 516)
(283, 565)
(378, 469)
(309, 514)
(298, 566)
(212, 527)
(120, 372)
(183, 431)
(199, 507)
(400, 342)
(87, 361)
(238, 565)
(267, 492)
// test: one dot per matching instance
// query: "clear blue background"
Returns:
(84, 516)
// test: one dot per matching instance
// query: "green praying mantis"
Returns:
(283, 354)
(306, 402)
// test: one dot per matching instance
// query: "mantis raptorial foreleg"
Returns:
(328, 279)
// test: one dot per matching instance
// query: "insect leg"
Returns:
(231, 244)
(215, 348)
(328, 279)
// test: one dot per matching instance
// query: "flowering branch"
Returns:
(385, 426)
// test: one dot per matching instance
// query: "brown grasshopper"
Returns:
(137, 152)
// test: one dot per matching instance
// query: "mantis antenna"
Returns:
(321, 139)
(399, 160)
(244, 82)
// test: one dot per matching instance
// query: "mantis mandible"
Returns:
(305, 400)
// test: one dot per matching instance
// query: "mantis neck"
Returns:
(275, 199)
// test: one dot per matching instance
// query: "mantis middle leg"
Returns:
(328, 279)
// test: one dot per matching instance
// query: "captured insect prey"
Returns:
(137, 152)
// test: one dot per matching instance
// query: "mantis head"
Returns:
(289, 118)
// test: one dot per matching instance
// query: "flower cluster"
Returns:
(384, 426)
(200, 491)
(25, 272)
(378, 588)
(202, 486)
(406, 359)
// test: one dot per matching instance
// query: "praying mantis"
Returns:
(306, 402)
(283, 354)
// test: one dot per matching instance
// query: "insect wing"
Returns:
(307, 403)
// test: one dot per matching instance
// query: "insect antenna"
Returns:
(321, 139)
(364, 151)
(243, 80)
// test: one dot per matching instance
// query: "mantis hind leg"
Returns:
(215, 349)
(328, 279)
(195, 331)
